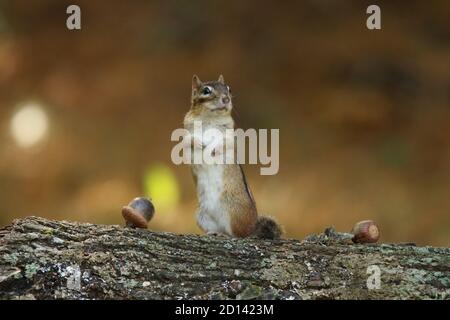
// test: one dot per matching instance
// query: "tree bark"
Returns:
(44, 259)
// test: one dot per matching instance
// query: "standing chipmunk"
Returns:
(226, 204)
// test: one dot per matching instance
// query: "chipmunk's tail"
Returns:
(267, 228)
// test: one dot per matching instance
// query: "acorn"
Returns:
(365, 232)
(138, 213)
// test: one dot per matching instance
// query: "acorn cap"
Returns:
(134, 217)
(365, 232)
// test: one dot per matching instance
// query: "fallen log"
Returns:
(45, 259)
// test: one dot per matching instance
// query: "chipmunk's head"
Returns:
(213, 97)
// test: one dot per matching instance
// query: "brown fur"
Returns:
(267, 228)
(241, 207)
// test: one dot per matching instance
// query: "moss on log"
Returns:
(44, 259)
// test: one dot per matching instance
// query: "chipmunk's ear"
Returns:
(196, 82)
(221, 79)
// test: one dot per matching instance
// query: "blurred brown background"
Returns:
(86, 116)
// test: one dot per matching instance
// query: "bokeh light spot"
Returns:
(160, 184)
(29, 125)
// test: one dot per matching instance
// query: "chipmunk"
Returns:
(226, 204)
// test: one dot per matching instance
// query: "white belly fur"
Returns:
(212, 215)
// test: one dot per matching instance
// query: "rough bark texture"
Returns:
(43, 259)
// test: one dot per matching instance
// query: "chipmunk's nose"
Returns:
(225, 100)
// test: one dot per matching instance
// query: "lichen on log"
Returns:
(45, 259)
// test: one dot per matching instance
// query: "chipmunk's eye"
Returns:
(206, 91)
